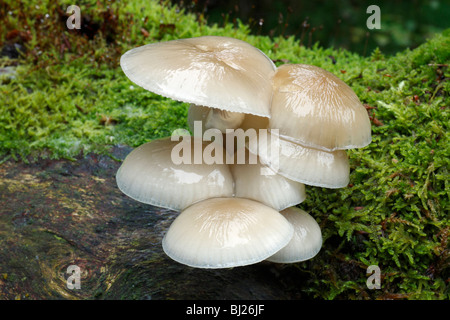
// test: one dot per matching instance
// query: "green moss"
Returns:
(67, 95)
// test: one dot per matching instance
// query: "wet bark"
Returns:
(57, 213)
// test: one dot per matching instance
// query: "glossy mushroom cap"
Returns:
(217, 72)
(307, 239)
(306, 165)
(149, 175)
(314, 108)
(226, 232)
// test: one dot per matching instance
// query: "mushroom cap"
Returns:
(260, 183)
(218, 72)
(306, 165)
(225, 233)
(315, 108)
(307, 239)
(149, 175)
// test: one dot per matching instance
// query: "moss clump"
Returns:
(65, 94)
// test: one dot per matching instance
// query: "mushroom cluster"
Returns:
(243, 211)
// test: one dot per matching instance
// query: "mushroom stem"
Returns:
(214, 118)
(223, 120)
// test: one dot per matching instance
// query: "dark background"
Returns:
(338, 24)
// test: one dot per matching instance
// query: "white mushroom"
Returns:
(226, 232)
(314, 108)
(149, 175)
(242, 213)
(307, 239)
(217, 72)
(306, 165)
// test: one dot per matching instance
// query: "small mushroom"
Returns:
(307, 239)
(314, 108)
(217, 72)
(306, 165)
(225, 233)
(149, 175)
